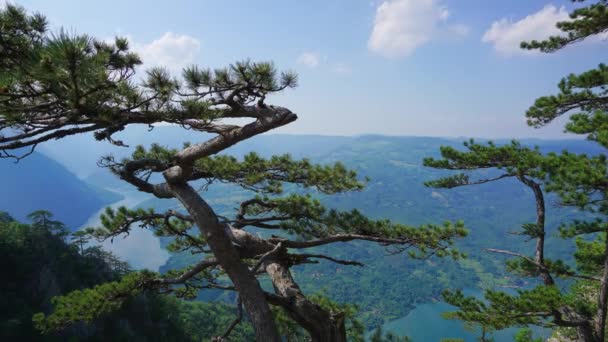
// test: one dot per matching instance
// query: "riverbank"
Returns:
(141, 248)
(425, 323)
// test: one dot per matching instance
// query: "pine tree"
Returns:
(580, 305)
(42, 219)
(57, 85)
(80, 238)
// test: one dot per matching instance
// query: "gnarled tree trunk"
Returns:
(220, 243)
(322, 325)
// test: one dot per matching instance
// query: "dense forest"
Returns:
(42, 261)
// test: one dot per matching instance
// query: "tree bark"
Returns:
(220, 244)
(323, 326)
(600, 323)
(539, 255)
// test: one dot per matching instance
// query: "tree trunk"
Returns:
(600, 323)
(220, 244)
(539, 254)
(585, 333)
(323, 326)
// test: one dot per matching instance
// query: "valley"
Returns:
(392, 289)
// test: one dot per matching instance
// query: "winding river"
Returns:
(141, 249)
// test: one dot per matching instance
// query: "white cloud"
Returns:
(342, 68)
(309, 59)
(171, 50)
(401, 26)
(506, 35)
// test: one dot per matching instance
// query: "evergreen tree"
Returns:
(42, 219)
(578, 307)
(38, 265)
(80, 238)
(57, 85)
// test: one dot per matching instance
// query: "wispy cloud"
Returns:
(309, 59)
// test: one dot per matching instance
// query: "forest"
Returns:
(144, 203)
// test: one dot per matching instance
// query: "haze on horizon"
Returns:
(448, 68)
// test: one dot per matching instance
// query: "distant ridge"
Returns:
(38, 182)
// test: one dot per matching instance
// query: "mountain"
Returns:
(38, 182)
(389, 286)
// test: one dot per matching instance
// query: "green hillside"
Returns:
(39, 264)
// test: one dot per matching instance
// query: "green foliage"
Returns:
(60, 71)
(584, 22)
(5, 217)
(526, 335)
(513, 159)
(86, 81)
(37, 254)
(584, 93)
(355, 330)
(540, 305)
(255, 173)
(201, 321)
(87, 305)
(263, 77)
(65, 84)
(500, 310)
(380, 336)
(42, 219)
(395, 170)
(309, 218)
(578, 179)
(97, 292)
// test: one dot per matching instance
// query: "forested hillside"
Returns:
(39, 262)
(396, 190)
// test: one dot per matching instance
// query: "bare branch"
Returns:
(541, 266)
(198, 268)
(302, 257)
(266, 256)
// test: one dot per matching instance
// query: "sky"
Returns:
(449, 68)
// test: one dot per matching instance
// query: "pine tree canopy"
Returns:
(576, 307)
(55, 85)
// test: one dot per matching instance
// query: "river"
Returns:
(141, 249)
(425, 323)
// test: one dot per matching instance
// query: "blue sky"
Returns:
(398, 67)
